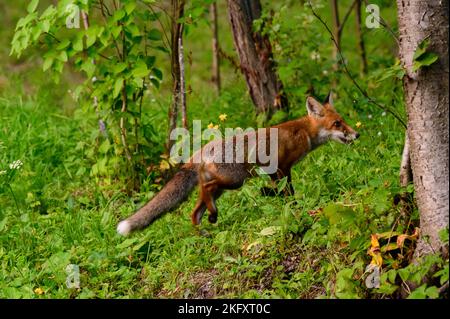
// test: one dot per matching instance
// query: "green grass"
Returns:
(67, 218)
(310, 245)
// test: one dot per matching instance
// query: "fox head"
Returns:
(328, 124)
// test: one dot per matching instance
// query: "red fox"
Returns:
(208, 169)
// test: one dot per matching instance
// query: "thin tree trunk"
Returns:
(177, 13)
(182, 81)
(337, 31)
(427, 98)
(256, 59)
(215, 48)
(361, 45)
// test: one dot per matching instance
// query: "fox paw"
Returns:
(212, 218)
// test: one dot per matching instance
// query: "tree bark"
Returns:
(215, 48)
(427, 96)
(256, 58)
(182, 92)
(176, 30)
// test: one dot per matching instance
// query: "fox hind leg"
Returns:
(211, 192)
(198, 212)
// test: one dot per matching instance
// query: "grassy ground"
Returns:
(53, 212)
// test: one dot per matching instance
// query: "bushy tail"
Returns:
(175, 192)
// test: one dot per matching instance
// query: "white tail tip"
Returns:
(124, 228)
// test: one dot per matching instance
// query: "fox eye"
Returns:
(337, 123)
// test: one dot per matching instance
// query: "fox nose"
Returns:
(356, 135)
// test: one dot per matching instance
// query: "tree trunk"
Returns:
(176, 30)
(337, 31)
(256, 59)
(426, 96)
(361, 46)
(215, 48)
(182, 92)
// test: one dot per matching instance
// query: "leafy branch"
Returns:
(350, 76)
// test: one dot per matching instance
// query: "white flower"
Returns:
(369, 116)
(315, 55)
(16, 164)
(2, 172)
(94, 79)
(379, 133)
(325, 72)
(383, 114)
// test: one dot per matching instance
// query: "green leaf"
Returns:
(119, 67)
(421, 48)
(78, 44)
(127, 243)
(419, 293)
(47, 63)
(425, 59)
(117, 87)
(140, 70)
(154, 34)
(91, 36)
(44, 25)
(391, 275)
(3, 224)
(115, 31)
(63, 56)
(104, 147)
(404, 273)
(130, 6)
(282, 184)
(443, 235)
(133, 29)
(118, 15)
(157, 73)
(63, 44)
(150, 61)
(32, 6)
(432, 292)
(155, 82)
(51, 10)
(443, 273)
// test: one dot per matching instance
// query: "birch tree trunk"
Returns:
(256, 59)
(427, 97)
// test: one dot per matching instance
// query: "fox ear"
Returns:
(329, 99)
(314, 107)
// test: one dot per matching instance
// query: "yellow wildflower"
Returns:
(358, 125)
(38, 291)
(222, 117)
